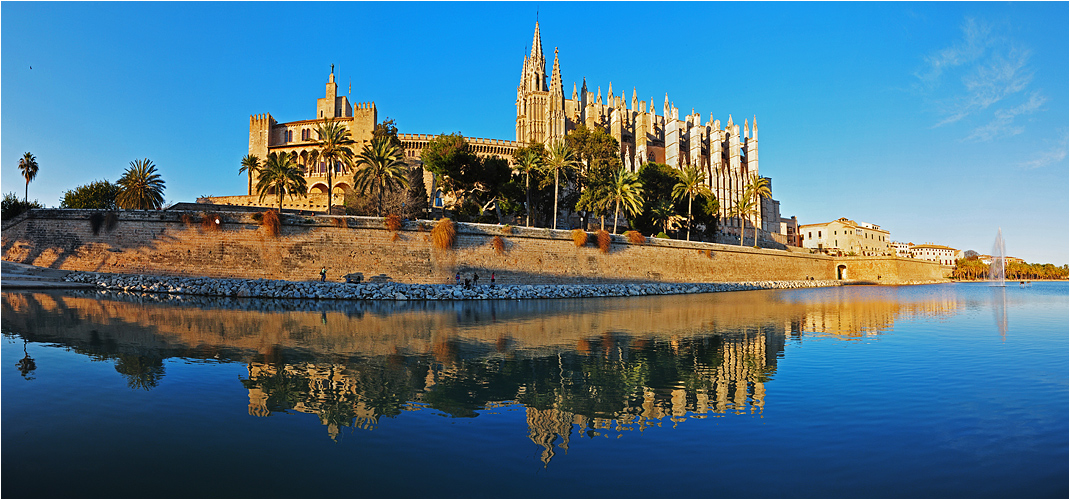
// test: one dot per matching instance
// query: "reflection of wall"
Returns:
(654, 359)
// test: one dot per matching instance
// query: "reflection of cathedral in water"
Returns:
(591, 369)
(606, 386)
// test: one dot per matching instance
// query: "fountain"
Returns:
(997, 271)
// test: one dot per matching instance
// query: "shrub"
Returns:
(579, 237)
(662, 235)
(507, 229)
(498, 244)
(444, 233)
(14, 207)
(392, 222)
(339, 221)
(211, 222)
(270, 222)
(95, 195)
(604, 240)
(635, 237)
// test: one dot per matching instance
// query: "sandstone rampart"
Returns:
(176, 243)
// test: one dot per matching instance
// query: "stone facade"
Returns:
(728, 155)
(176, 243)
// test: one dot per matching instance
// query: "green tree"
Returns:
(280, 175)
(529, 160)
(625, 189)
(449, 159)
(561, 160)
(250, 165)
(658, 180)
(742, 209)
(28, 167)
(12, 206)
(99, 195)
(140, 187)
(416, 196)
(597, 156)
(664, 212)
(334, 150)
(380, 165)
(691, 184)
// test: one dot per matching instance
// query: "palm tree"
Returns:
(625, 188)
(380, 164)
(691, 184)
(334, 143)
(664, 211)
(756, 190)
(140, 187)
(741, 209)
(281, 175)
(530, 161)
(28, 166)
(561, 158)
(250, 164)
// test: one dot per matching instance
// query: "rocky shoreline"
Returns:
(262, 288)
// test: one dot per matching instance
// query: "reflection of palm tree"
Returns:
(141, 372)
(26, 365)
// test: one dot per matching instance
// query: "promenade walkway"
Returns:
(23, 276)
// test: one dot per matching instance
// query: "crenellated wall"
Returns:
(176, 243)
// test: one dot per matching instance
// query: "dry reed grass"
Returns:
(604, 240)
(392, 222)
(211, 222)
(507, 229)
(444, 234)
(635, 237)
(499, 244)
(269, 220)
(579, 237)
(339, 222)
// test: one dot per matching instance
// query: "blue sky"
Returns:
(941, 122)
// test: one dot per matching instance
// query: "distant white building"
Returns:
(846, 237)
(902, 249)
(936, 253)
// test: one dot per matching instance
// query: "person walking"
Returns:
(492, 280)
(323, 274)
(457, 279)
(475, 279)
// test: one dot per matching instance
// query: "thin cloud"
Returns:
(1003, 123)
(989, 68)
(1045, 158)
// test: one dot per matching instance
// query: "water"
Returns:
(956, 390)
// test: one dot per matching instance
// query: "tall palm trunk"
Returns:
(555, 199)
(26, 197)
(330, 188)
(527, 186)
(690, 199)
(379, 211)
(616, 213)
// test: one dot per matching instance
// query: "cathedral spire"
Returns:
(754, 130)
(575, 95)
(536, 44)
(555, 79)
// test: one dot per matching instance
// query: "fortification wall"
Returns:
(176, 243)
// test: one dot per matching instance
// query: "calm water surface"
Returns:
(956, 390)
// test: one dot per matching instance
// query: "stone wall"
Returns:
(176, 243)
